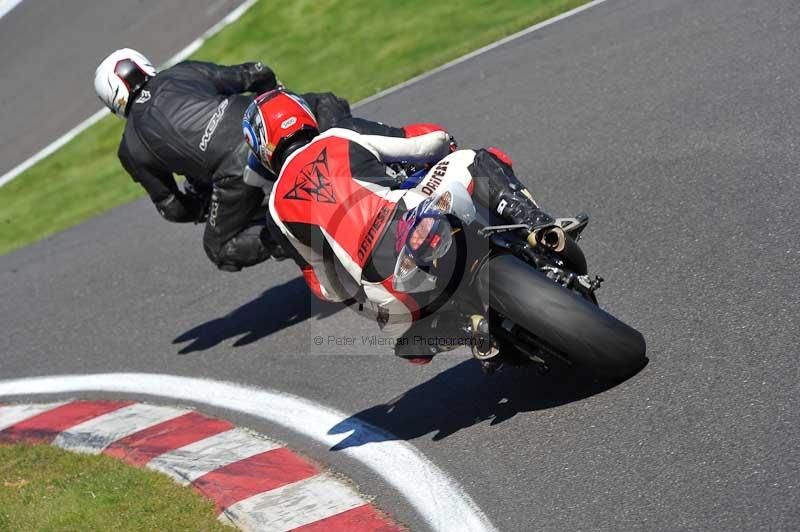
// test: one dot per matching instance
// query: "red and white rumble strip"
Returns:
(256, 483)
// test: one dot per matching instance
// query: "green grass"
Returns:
(46, 488)
(352, 47)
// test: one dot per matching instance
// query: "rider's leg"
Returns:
(496, 187)
(399, 316)
(232, 239)
(441, 331)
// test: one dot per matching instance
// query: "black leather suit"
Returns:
(187, 120)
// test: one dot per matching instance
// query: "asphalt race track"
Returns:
(50, 48)
(675, 124)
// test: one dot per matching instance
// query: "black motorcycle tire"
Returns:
(574, 327)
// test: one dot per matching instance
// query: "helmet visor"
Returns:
(130, 74)
(254, 132)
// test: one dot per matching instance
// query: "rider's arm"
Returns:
(368, 127)
(236, 79)
(160, 185)
(429, 147)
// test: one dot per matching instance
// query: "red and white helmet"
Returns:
(273, 121)
(120, 76)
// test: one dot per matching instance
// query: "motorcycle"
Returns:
(525, 294)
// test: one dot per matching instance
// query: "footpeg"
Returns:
(574, 226)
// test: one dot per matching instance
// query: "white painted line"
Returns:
(51, 148)
(442, 503)
(7, 5)
(477, 52)
(95, 435)
(97, 116)
(195, 460)
(13, 414)
(294, 505)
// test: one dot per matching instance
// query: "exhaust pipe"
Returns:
(550, 237)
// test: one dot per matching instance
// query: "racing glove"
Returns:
(182, 208)
(199, 198)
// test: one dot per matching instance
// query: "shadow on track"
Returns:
(259, 318)
(461, 397)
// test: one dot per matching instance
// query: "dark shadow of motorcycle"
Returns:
(259, 318)
(462, 397)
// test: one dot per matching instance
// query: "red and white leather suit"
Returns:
(334, 200)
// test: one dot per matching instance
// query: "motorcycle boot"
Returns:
(497, 188)
(429, 336)
(517, 206)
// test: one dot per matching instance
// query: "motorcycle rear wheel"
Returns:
(577, 329)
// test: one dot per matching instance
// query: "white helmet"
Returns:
(120, 76)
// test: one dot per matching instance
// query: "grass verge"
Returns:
(46, 488)
(352, 47)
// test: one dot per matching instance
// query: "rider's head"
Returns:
(120, 77)
(276, 124)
